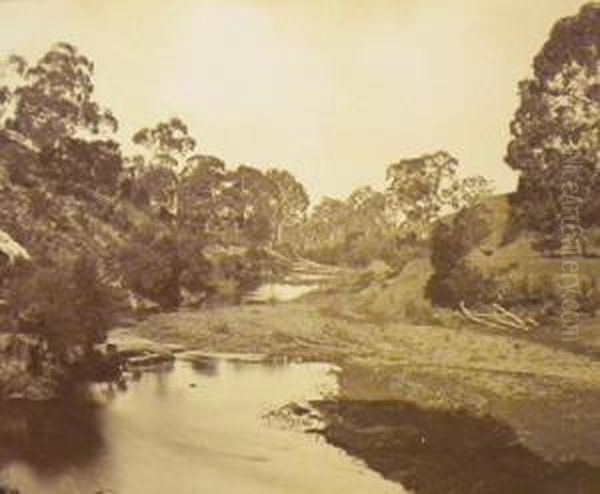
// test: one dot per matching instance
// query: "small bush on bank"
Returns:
(66, 303)
(246, 270)
(158, 264)
(454, 279)
(459, 283)
(539, 295)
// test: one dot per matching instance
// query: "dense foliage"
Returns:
(388, 225)
(454, 279)
(555, 131)
(67, 303)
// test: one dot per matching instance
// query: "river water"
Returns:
(183, 430)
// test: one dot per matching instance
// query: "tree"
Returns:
(323, 225)
(251, 199)
(419, 188)
(470, 191)
(167, 147)
(556, 129)
(55, 99)
(368, 210)
(159, 184)
(12, 72)
(454, 279)
(292, 200)
(94, 164)
(200, 205)
(67, 303)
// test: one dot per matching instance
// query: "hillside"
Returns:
(525, 279)
(52, 225)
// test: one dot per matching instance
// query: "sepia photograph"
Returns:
(299, 247)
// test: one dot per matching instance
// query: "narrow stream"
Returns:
(183, 430)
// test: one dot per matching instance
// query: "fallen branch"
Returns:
(510, 315)
(502, 318)
(479, 318)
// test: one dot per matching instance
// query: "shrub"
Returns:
(454, 279)
(151, 273)
(243, 269)
(459, 283)
(67, 303)
(94, 164)
(195, 267)
(158, 264)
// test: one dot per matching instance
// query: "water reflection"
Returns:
(192, 429)
(208, 367)
(33, 432)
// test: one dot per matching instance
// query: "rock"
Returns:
(200, 356)
(129, 345)
(139, 352)
(296, 416)
(11, 249)
(142, 305)
(150, 359)
(192, 300)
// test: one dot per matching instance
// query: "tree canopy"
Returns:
(421, 189)
(557, 124)
(54, 99)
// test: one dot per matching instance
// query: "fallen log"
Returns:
(502, 318)
(478, 318)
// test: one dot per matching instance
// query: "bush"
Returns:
(454, 280)
(66, 303)
(157, 265)
(242, 269)
(459, 283)
(95, 164)
(152, 274)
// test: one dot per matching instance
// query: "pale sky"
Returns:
(332, 90)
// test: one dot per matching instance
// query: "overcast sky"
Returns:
(333, 90)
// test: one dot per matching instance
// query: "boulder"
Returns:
(142, 305)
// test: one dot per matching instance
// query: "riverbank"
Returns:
(548, 396)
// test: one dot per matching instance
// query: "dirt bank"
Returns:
(548, 397)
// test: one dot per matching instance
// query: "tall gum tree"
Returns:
(556, 128)
(55, 98)
(166, 148)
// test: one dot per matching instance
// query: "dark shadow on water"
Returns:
(434, 452)
(50, 437)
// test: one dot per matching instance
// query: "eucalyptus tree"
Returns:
(54, 99)
(420, 190)
(165, 150)
(292, 201)
(556, 128)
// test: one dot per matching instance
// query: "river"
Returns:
(182, 430)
